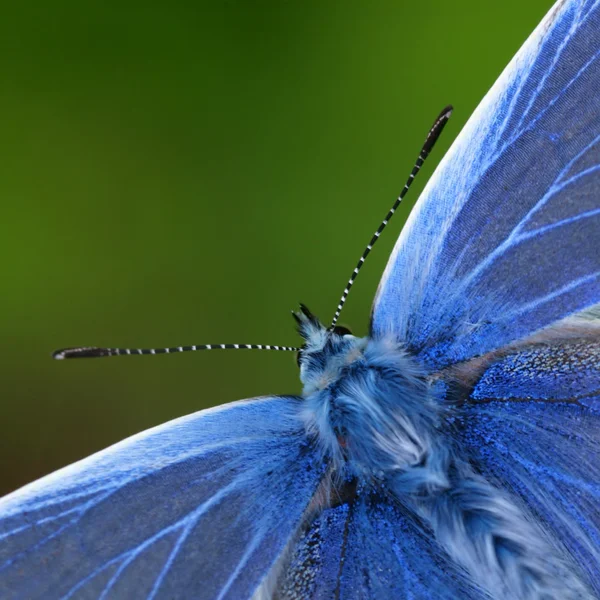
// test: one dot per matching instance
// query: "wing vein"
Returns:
(574, 26)
(551, 296)
(513, 236)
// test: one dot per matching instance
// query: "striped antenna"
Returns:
(430, 140)
(93, 352)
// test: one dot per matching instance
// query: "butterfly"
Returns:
(454, 452)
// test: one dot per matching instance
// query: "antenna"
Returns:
(430, 140)
(97, 352)
(94, 352)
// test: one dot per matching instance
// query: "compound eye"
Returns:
(339, 330)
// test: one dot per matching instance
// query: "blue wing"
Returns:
(533, 426)
(199, 507)
(566, 371)
(369, 548)
(505, 238)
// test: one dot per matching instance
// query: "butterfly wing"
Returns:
(369, 548)
(504, 239)
(533, 424)
(561, 371)
(199, 507)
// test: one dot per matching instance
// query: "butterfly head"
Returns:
(326, 352)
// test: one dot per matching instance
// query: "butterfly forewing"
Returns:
(504, 239)
(200, 507)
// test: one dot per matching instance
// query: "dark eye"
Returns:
(339, 330)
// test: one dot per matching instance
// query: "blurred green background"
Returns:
(187, 173)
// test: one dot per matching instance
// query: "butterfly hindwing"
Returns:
(504, 239)
(370, 548)
(532, 425)
(199, 507)
(563, 371)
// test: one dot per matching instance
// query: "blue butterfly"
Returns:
(452, 453)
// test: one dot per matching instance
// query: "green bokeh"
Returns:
(187, 173)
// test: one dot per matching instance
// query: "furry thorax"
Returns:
(377, 418)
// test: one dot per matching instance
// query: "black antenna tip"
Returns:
(82, 352)
(447, 112)
(437, 128)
